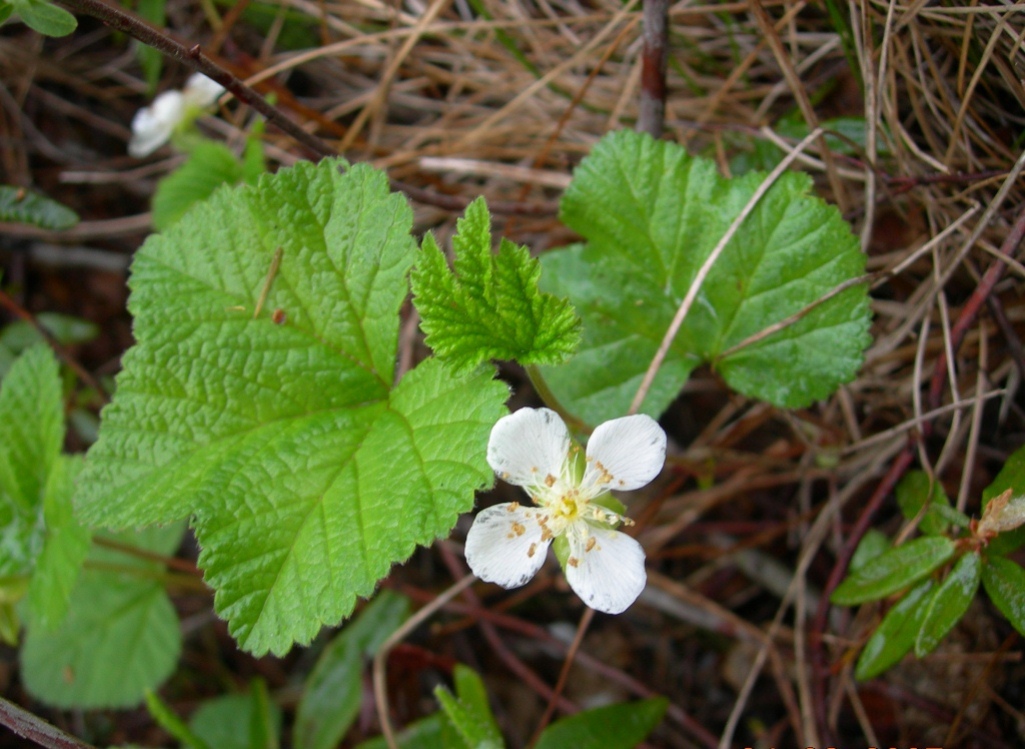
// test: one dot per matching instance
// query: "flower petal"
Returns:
(152, 126)
(625, 453)
(610, 575)
(504, 545)
(201, 91)
(528, 445)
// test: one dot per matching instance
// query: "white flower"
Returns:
(531, 448)
(152, 126)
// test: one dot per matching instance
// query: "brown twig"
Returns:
(652, 110)
(37, 730)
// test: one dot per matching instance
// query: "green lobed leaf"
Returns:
(913, 491)
(469, 713)
(45, 17)
(22, 206)
(895, 569)
(1011, 476)
(65, 546)
(949, 603)
(621, 726)
(32, 415)
(228, 722)
(308, 472)
(120, 636)
(896, 633)
(209, 165)
(334, 690)
(1005, 583)
(651, 215)
(488, 306)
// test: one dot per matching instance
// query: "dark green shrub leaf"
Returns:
(895, 569)
(949, 603)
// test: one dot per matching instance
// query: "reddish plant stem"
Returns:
(35, 729)
(967, 317)
(651, 115)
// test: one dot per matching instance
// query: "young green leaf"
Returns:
(895, 569)
(1011, 476)
(228, 722)
(913, 491)
(488, 305)
(18, 205)
(260, 399)
(334, 689)
(1005, 583)
(45, 17)
(652, 215)
(872, 544)
(32, 415)
(613, 727)
(210, 165)
(65, 546)
(896, 633)
(469, 713)
(949, 603)
(120, 636)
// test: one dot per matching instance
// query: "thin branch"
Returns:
(35, 729)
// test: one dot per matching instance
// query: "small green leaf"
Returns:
(18, 205)
(913, 492)
(469, 713)
(488, 306)
(872, 544)
(896, 633)
(895, 569)
(32, 415)
(1005, 584)
(334, 690)
(260, 399)
(209, 165)
(228, 722)
(120, 637)
(621, 726)
(1011, 476)
(45, 17)
(949, 603)
(652, 215)
(65, 546)
(6, 10)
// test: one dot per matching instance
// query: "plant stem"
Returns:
(193, 57)
(35, 729)
(652, 111)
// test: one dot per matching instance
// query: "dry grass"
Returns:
(502, 99)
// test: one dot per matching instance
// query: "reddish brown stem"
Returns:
(653, 68)
(35, 729)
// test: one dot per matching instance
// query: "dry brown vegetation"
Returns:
(758, 510)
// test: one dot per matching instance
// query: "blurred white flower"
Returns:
(153, 126)
(531, 448)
